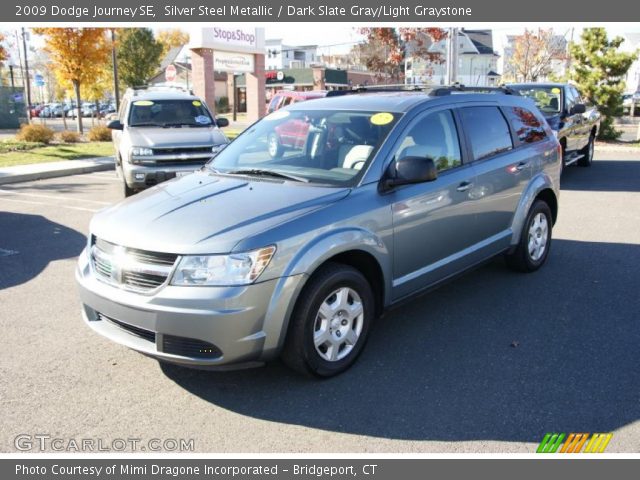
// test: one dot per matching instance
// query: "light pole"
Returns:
(114, 60)
(26, 71)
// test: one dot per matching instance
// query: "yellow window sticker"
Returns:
(555, 90)
(381, 118)
(196, 103)
(143, 103)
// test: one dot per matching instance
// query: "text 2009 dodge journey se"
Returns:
(317, 218)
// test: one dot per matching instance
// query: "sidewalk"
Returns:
(38, 171)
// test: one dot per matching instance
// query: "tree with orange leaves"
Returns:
(171, 38)
(3, 51)
(534, 53)
(384, 49)
(77, 54)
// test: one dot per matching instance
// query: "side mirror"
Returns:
(578, 108)
(409, 170)
(115, 125)
(222, 122)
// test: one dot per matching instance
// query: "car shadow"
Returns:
(604, 176)
(494, 355)
(28, 243)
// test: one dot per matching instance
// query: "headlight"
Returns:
(141, 151)
(222, 270)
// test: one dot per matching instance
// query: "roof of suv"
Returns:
(157, 94)
(391, 101)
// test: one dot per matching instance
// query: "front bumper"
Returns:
(193, 326)
(143, 176)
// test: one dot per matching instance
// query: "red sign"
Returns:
(170, 73)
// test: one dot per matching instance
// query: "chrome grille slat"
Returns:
(130, 268)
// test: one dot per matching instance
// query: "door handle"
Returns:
(522, 165)
(464, 186)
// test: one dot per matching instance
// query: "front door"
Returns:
(431, 221)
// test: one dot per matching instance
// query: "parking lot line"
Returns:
(51, 197)
(93, 210)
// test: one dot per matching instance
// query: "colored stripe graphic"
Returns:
(551, 442)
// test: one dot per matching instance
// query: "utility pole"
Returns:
(452, 56)
(114, 60)
(26, 72)
(13, 83)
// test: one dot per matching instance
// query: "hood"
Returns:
(159, 137)
(206, 213)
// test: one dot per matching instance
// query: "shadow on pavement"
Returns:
(28, 243)
(604, 176)
(494, 355)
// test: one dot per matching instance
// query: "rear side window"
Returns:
(487, 130)
(526, 125)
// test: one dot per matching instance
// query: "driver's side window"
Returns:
(434, 136)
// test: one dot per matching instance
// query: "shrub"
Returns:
(222, 105)
(35, 133)
(99, 134)
(68, 136)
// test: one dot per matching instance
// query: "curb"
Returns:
(616, 148)
(88, 166)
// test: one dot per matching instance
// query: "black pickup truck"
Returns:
(574, 122)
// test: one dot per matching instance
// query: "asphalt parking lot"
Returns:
(488, 363)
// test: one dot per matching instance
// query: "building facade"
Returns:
(477, 61)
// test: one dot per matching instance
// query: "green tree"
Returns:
(138, 56)
(599, 68)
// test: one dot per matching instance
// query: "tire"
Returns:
(275, 147)
(523, 259)
(334, 289)
(588, 153)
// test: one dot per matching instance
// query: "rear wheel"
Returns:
(330, 322)
(535, 240)
(587, 151)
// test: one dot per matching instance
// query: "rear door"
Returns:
(502, 170)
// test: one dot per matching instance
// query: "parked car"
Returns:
(574, 122)
(162, 133)
(284, 98)
(254, 257)
(629, 99)
(52, 110)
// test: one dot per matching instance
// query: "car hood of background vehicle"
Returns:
(206, 213)
(175, 137)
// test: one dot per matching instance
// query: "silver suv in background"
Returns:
(161, 133)
(387, 194)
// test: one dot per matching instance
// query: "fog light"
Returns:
(139, 176)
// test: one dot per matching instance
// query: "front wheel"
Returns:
(535, 240)
(587, 153)
(330, 322)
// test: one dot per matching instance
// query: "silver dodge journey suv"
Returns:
(161, 133)
(374, 197)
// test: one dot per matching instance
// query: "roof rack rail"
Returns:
(458, 88)
(397, 87)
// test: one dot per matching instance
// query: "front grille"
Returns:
(189, 347)
(130, 268)
(137, 331)
(180, 150)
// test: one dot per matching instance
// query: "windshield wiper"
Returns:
(271, 173)
(145, 125)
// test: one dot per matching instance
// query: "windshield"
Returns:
(318, 146)
(548, 99)
(169, 113)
